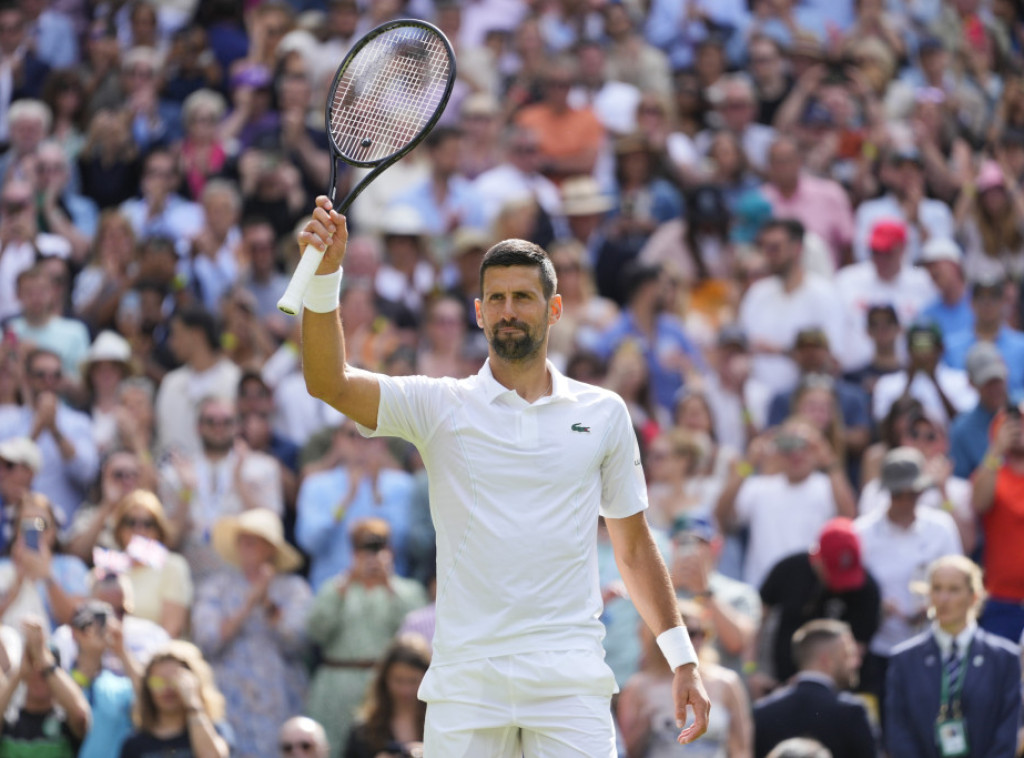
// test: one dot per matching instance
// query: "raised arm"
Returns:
(984, 480)
(353, 392)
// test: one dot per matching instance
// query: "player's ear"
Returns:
(555, 309)
(479, 318)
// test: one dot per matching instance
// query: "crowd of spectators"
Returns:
(789, 233)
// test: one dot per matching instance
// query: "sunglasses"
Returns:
(372, 546)
(221, 422)
(123, 474)
(156, 682)
(139, 523)
(49, 375)
(301, 745)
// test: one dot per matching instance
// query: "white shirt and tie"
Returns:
(953, 648)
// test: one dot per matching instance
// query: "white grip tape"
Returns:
(676, 647)
(291, 300)
(323, 293)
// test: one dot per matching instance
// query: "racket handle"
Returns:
(291, 300)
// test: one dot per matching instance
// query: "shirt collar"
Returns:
(945, 639)
(818, 677)
(493, 389)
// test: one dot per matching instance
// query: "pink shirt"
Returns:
(821, 205)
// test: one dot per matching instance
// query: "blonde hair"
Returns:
(188, 656)
(971, 571)
(370, 527)
(151, 504)
(203, 98)
(28, 108)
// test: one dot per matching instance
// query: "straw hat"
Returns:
(108, 346)
(582, 196)
(260, 522)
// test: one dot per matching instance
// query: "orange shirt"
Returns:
(1004, 538)
(562, 134)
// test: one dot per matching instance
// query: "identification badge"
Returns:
(951, 736)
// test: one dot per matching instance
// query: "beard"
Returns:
(515, 347)
(216, 446)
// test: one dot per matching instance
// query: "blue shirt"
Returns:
(111, 697)
(324, 533)
(665, 27)
(1010, 344)
(952, 320)
(853, 403)
(459, 199)
(64, 482)
(670, 338)
(968, 440)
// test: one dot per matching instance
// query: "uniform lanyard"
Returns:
(951, 691)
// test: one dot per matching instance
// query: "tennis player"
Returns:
(521, 461)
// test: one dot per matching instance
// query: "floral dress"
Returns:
(261, 671)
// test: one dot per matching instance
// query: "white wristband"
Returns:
(323, 293)
(676, 647)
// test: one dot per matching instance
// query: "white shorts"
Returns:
(538, 705)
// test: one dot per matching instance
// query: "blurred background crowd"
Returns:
(789, 233)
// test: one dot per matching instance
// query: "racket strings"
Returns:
(389, 93)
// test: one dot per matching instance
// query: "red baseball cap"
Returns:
(887, 235)
(838, 555)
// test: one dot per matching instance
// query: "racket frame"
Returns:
(291, 300)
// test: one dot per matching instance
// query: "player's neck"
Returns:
(530, 379)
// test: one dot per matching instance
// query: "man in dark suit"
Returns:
(814, 704)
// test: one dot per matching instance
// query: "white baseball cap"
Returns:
(21, 450)
(941, 249)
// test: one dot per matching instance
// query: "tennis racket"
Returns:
(386, 96)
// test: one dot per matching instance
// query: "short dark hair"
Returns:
(811, 637)
(33, 355)
(197, 317)
(440, 135)
(638, 274)
(251, 220)
(887, 308)
(252, 375)
(791, 226)
(514, 252)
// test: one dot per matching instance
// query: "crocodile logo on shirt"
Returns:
(578, 427)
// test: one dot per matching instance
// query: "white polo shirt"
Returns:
(515, 492)
(784, 518)
(897, 558)
(769, 313)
